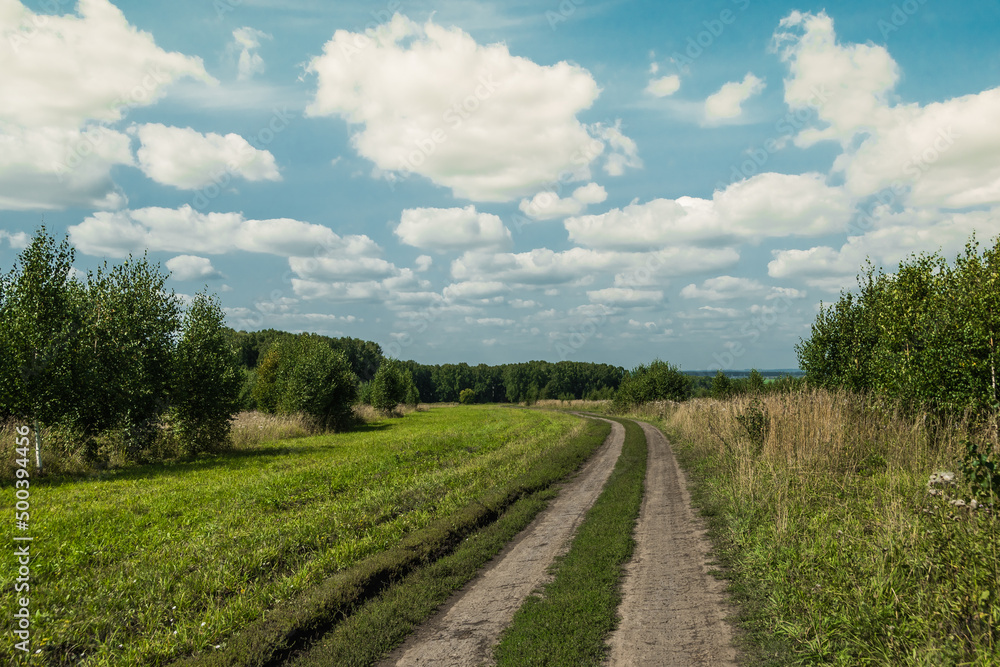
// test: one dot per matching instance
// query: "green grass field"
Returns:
(154, 563)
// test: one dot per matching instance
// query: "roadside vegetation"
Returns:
(163, 560)
(838, 553)
(856, 511)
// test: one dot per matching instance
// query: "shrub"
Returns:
(205, 385)
(392, 385)
(467, 397)
(660, 381)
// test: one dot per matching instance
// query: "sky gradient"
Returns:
(605, 181)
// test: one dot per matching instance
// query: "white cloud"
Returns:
(624, 151)
(424, 262)
(547, 205)
(430, 100)
(542, 267)
(189, 160)
(16, 240)
(474, 290)
(53, 168)
(192, 267)
(664, 86)
(185, 230)
(625, 297)
(847, 86)
(61, 77)
(729, 288)
(939, 155)
(727, 102)
(340, 269)
(894, 237)
(444, 229)
(247, 40)
(767, 205)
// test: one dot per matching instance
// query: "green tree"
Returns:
(721, 386)
(755, 382)
(657, 382)
(467, 397)
(132, 325)
(392, 385)
(318, 382)
(205, 383)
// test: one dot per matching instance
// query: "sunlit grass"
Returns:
(835, 548)
(163, 560)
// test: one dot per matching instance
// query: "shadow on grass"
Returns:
(236, 459)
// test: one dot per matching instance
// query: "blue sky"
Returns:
(605, 181)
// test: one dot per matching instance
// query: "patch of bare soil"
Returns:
(673, 611)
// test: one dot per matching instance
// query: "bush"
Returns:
(467, 397)
(660, 381)
(205, 387)
(318, 382)
(392, 385)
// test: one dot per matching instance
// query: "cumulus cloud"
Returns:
(664, 86)
(935, 155)
(621, 296)
(729, 288)
(444, 229)
(61, 78)
(624, 151)
(893, 237)
(189, 160)
(767, 205)
(116, 234)
(474, 290)
(192, 267)
(547, 205)
(429, 100)
(727, 102)
(424, 262)
(16, 240)
(247, 41)
(543, 267)
(847, 86)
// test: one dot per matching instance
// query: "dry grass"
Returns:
(576, 404)
(251, 429)
(820, 508)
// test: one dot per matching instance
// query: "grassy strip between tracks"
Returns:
(369, 608)
(570, 620)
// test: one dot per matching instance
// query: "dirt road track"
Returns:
(469, 625)
(673, 610)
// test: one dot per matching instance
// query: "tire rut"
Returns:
(465, 630)
(673, 611)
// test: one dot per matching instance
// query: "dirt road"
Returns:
(673, 610)
(466, 629)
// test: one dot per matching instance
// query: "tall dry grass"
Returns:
(820, 509)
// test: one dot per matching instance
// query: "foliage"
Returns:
(467, 397)
(721, 386)
(392, 385)
(659, 381)
(42, 312)
(205, 382)
(981, 472)
(317, 381)
(131, 327)
(927, 334)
